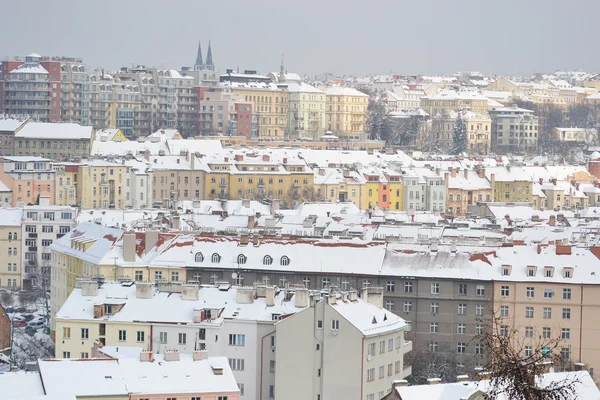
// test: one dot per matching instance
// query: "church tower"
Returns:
(200, 65)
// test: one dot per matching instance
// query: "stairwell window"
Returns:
(335, 324)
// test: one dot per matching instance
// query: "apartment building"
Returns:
(551, 292)
(62, 141)
(225, 321)
(138, 184)
(75, 92)
(343, 347)
(28, 178)
(8, 127)
(41, 226)
(177, 178)
(575, 135)
(346, 112)
(306, 108)
(102, 184)
(340, 185)
(467, 188)
(10, 248)
(383, 189)
(65, 189)
(514, 130)
(423, 189)
(452, 100)
(223, 112)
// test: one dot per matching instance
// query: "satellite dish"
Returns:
(369, 357)
(234, 275)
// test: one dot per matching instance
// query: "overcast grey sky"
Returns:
(342, 36)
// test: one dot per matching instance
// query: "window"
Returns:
(140, 336)
(462, 289)
(435, 308)
(546, 332)
(397, 365)
(241, 259)
(122, 335)
(370, 374)
(504, 330)
(566, 313)
(271, 391)
(461, 329)
(462, 309)
(505, 291)
(528, 351)
(381, 372)
(162, 337)
(267, 260)
(157, 275)
(529, 331)
(236, 364)
(66, 354)
(390, 344)
(390, 286)
(480, 291)
(390, 370)
(479, 329)
(504, 311)
(85, 355)
(215, 259)
(433, 346)
(182, 338)
(530, 292)
(435, 288)
(237, 340)
(219, 398)
(199, 257)
(85, 333)
(479, 309)
(548, 293)
(434, 327)
(566, 294)
(285, 261)
(389, 305)
(371, 349)
(408, 287)
(408, 306)
(528, 312)
(461, 348)
(335, 324)
(66, 333)
(139, 276)
(566, 333)
(547, 312)
(175, 276)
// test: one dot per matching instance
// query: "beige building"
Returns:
(451, 100)
(54, 141)
(10, 248)
(346, 112)
(478, 129)
(550, 292)
(102, 184)
(325, 351)
(177, 178)
(306, 108)
(575, 135)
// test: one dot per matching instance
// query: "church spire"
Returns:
(281, 69)
(199, 63)
(209, 60)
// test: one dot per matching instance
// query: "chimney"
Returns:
(275, 206)
(466, 173)
(437, 171)
(539, 249)
(462, 378)
(244, 295)
(244, 239)
(301, 297)
(89, 288)
(434, 381)
(331, 299)
(176, 222)
(270, 296)
(250, 221)
(146, 356)
(129, 243)
(560, 217)
(552, 220)
(189, 291)
(352, 295)
(399, 383)
(481, 172)
(226, 159)
(200, 355)
(285, 160)
(217, 369)
(171, 355)
(541, 181)
(266, 157)
(373, 295)
(255, 240)
(143, 290)
(554, 181)
(453, 172)
(239, 157)
(246, 203)
(150, 239)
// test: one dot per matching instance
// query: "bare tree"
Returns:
(429, 361)
(517, 360)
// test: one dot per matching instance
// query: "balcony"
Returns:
(33, 235)
(406, 371)
(32, 248)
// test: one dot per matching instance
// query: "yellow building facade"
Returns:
(346, 112)
(102, 184)
(270, 107)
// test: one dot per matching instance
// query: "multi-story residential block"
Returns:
(423, 190)
(514, 130)
(575, 135)
(56, 141)
(467, 189)
(75, 91)
(452, 100)
(42, 225)
(10, 248)
(102, 184)
(8, 127)
(5, 195)
(138, 184)
(346, 112)
(5, 332)
(340, 185)
(223, 112)
(383, 189)
(306, 107)
(65, 193)
(28, 178)
(177, 178)
(511, 184)
(31, 88)
(237, 323)
(270, 103)
(341, 347)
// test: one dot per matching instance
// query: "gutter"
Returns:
(262, 340)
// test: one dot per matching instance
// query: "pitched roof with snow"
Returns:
(55, 130)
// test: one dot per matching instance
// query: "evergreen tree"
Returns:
(460, 135)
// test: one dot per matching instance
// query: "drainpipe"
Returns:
(262, 340)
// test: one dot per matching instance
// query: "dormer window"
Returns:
(108, 309)
(531, 270)
(548, 272)
(506, 270)
(199, 257)
(241, 259)
(216, 258)
(267, 260)
(285, 261)
(568, 272)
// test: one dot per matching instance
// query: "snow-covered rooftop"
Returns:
(55, 130)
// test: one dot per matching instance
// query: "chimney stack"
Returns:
(200, 355)
(189, 291)
(301, 297)
(146, 356)
(373, 295)
(143, 290)
(171, 355)
(89, 288)
(270, 296)
(150, 239)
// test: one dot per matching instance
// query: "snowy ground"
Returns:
(29, 343)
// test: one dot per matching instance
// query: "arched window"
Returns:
(241, 259)
(285, 260)
(199, 257)
(9, 235)
(216, 258)
(267, 260)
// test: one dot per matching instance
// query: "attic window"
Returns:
(548, 272)
(107, 377)
(267, 260)
(216, 258)
(241, 259)
(285, 261)
(568, 272)
(374, 321)
(199, 257)
(531, 270)
(506, 270)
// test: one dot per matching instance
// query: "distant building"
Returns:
(58, 141)
(10, 248)
(514, 130)
(28, 178)
(346, 112)
(575, 135)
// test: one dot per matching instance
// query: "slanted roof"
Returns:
(11, 124)
(368, 318)
(55, 130)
